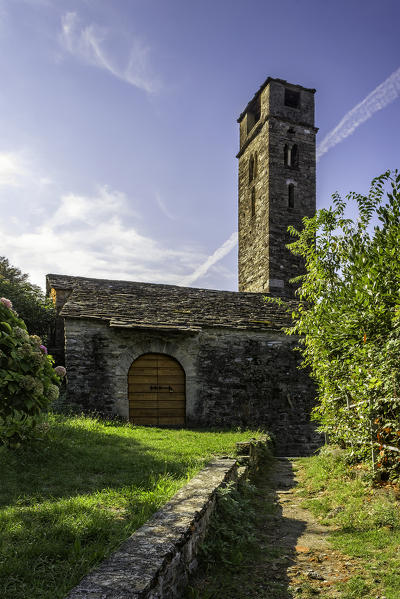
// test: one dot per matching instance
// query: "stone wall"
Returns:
(265, 264)
(157, 560)
(246, 378)
(253, 228)
(56, 337)
(293, 127)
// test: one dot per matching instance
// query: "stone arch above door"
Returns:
(156, 391)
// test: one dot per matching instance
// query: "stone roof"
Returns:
(169, 307)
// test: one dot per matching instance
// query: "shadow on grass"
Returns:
(262, 570)
(74, 460)
(73, 497)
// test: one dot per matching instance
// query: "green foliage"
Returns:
(28, 383)
(365, 520)
(341, 494)
(231, 527)
(71, 497)
(28, 300)
(349, 319)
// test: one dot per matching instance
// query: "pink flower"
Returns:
(6, 302)
(60, 370)
(43, 348)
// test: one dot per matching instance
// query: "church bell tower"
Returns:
(276, 184)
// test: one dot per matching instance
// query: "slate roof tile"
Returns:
(168, 307)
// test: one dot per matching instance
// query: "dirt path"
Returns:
(292, 558)
(308, 562)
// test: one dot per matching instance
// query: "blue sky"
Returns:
(118, 124)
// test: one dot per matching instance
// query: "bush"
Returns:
(348, 318)
(28, 381)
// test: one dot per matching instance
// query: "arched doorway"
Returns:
(156, 391)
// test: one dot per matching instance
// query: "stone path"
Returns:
(293, 558)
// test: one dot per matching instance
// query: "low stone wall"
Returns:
(156, 561)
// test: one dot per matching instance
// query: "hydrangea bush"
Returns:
(28, 381)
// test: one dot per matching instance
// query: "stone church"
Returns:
(165, 355)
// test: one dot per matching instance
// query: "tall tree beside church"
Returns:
(28, 299)
(349, 319)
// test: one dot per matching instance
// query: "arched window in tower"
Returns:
(251, 169)
(286, 155)
(290, 195)
(253, 202)
(295, 156)
(255, 165)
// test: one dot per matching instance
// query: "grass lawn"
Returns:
(68, 500)
(366, 521)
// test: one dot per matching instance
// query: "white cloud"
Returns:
(18, 170)
(88, 44)
(219, 253)
(13, 169)
(164, 208)
(87, 210)
(90, 236)
(380, 97)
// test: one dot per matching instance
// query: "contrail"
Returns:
(380, 97)
(222, 251)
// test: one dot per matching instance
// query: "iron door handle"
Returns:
(159, 387)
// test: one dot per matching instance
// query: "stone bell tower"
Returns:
(276, 183)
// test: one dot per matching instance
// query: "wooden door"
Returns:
(156, 391)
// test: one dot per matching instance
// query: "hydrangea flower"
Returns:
(43, 348)
(60, 370)
(39, 388)
(24, 351)
(21, 334)
(28, 382)
(6, 302)
(36, 360)
(53, 391)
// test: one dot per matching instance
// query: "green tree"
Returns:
(348, 318)
(28, 299)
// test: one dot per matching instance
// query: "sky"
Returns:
(118, 130)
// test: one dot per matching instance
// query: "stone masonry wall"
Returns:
(265, 264)
(246, 378)
(253, 228)
(254, 381)
(293, 127)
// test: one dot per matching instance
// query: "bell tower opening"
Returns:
(276, 127)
